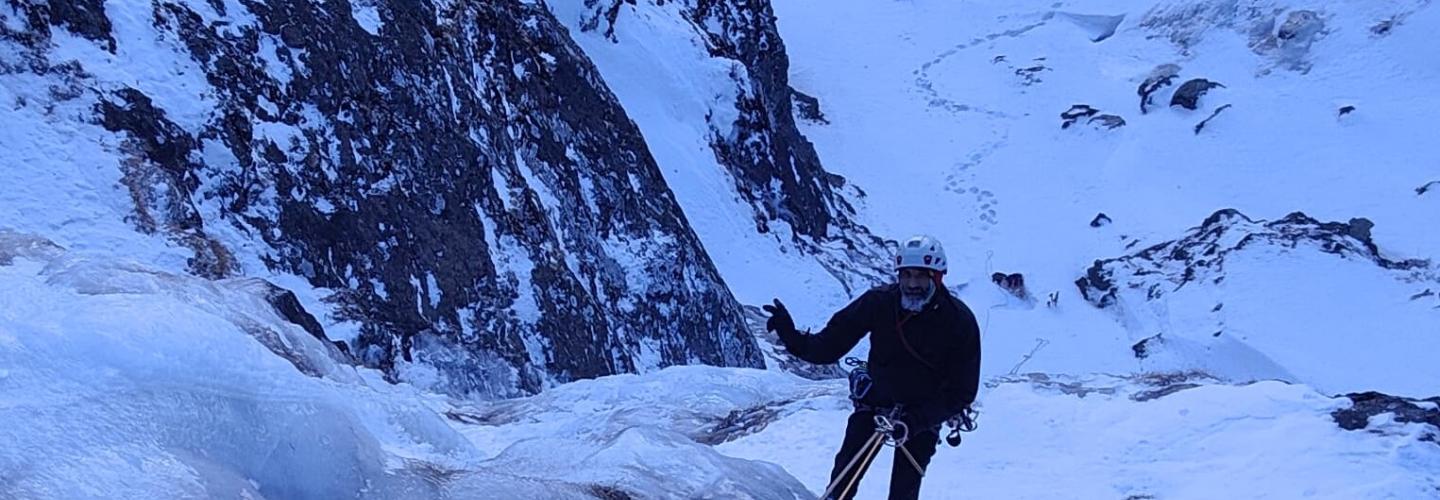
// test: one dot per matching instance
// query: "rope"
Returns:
(912, 460)
(888, 431)
(855, 479)
(870, 447)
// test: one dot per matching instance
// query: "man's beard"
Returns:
(915, 300)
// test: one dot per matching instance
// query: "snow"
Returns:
(584, 426)
(136, 382)
(179, 87)
(125, 381)
(1267, 439)
(323, 206)
(432, 289)
(927, 118)
(60, 154)
(367, 14)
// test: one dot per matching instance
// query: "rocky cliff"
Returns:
(456, 173)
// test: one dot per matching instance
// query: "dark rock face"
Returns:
(1189, 93)
(159, 177)
(747, 33)
(288, 306)
(81, 17)
(1407, 410)
(1200, 254)
(462, 177)
(775, 168)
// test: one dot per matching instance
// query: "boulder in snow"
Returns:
(1075, 113)
(1100, 220)
(1013, 283)
(1189, 93)
(1143, 347)
(1366, 405)
(1163, 76)
(1107, 120)
(1030, 75)
(1079, 111)
(1300, 27)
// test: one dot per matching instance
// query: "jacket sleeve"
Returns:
(844, 330)
(962, 377)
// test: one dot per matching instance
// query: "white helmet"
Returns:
(921, 251)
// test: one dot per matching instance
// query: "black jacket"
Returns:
(928, 361)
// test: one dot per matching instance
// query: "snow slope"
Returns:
(124, 381)
(1044, 437)
(948, 115)
(1087, 438)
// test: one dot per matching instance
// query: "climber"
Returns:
(924, 362)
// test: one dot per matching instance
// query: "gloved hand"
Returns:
(780, 321)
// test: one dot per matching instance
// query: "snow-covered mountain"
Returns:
(965, 101)
(454, 180)
(441, 249)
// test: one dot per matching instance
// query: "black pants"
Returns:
(904, 479)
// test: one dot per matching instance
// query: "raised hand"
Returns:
(780, 321)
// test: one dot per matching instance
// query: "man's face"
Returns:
(915, 281)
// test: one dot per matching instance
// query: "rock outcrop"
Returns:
(1200, 254)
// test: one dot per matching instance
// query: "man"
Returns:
(924, 360)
